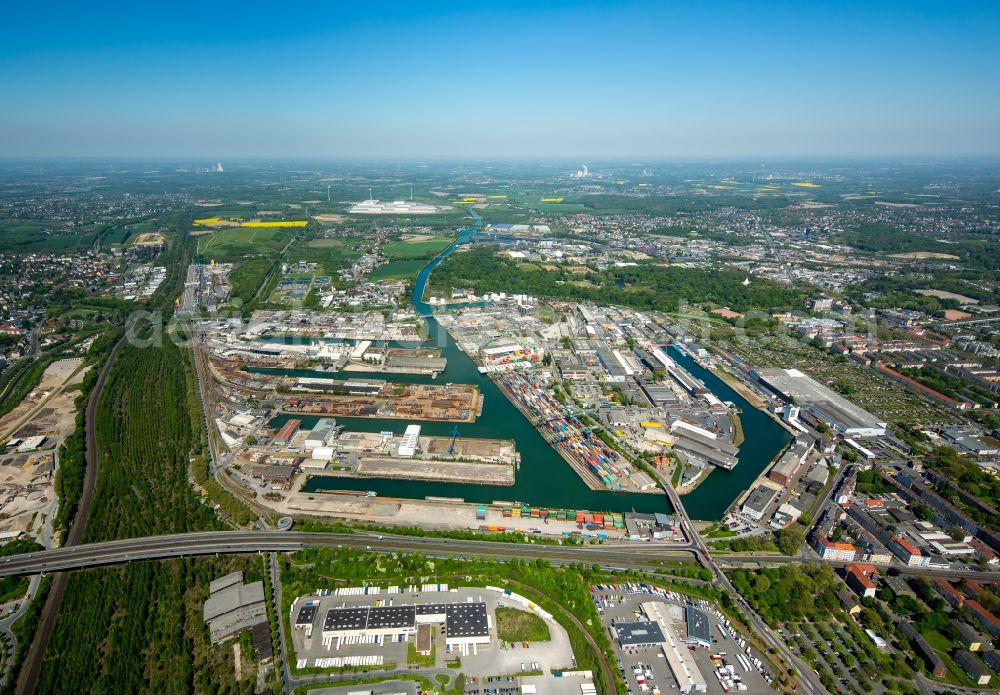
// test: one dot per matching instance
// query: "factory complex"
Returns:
(429, 625)
(823, 403)
(465, 624)
(392, 207)
(662, 640)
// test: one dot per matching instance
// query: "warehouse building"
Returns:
(688, 383)
(658, 394)
(823, 403)
(306, 617)
(465, 624)
(613, 367)
(322, 434)
(758, 501)
(703, 444)
(287, 431)
(420, 364)
(364, 387)
(233, 606)
(31, 444)
(644, 633)
(711, 454)
(682, 664)
(788, 465)
(699, 630)
(408, 444)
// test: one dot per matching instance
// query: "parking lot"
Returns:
(490, 669)
(836, 651)
(386, 688)
(509, 685)
(645, 668)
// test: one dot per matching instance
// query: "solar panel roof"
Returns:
(466, 620)
(346, 619)
(306, 615)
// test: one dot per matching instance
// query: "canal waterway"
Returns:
(544, 478)
(763, 440)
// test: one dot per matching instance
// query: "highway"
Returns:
(230, 542)
(646, 555)
(807, 678)
(46, 622)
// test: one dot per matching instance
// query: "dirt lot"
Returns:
(149, 239)
(21, 505)
(449, 471)
(457, 403)
(487, 449)
(59, 375)
(26, 494)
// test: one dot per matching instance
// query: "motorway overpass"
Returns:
(638, 555)
(648, 556)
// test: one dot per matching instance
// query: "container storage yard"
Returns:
(595, 462)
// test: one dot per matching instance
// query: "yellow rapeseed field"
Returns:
(257, 224)
(806, 184)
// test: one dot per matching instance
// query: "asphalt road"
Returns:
(756, 561)
(230, 542)
(33, 659)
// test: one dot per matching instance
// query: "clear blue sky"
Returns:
(675, 80)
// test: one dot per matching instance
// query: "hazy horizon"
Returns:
(446, 81)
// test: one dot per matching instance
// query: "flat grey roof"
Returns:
(232, 598)
(346, 619)
(461, 619)
(721, 445)
(812, 395)
(391, 617)
(698, 626)
(659, 393)
(467, 620)
(760, 498)
(228, 580)
(306, 615)
(709, 453)
(642, 632)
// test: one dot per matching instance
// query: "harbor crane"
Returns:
(454, 438)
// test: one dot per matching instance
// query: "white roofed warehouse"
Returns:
(836, 411)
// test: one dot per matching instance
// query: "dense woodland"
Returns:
(138, 628)
(647, 286)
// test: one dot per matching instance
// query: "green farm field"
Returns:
(397, 270)
(426, 248)
(235, 243)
